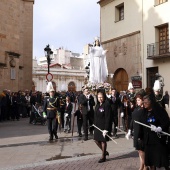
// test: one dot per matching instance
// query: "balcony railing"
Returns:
(158, 50)
(159, 2)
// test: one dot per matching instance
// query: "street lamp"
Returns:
(48, 52)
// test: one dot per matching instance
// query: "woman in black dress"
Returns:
(156, 146)
(102, 119)
(137, 115)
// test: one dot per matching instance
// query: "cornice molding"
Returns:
(29, 1)
(15, 55)
(104, 2)
(123, 36)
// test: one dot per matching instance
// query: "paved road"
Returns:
(26, 146)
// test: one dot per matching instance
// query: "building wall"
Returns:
(77, 63)
(155, 16)
(140, 17)
(112, 29)
(61, 77)
(121, 39)
(124, 52)
(16, 34)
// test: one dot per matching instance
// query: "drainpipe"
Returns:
(143, 47)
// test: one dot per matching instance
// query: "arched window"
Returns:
(71, 86)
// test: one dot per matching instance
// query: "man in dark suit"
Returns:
(87, 102)
(115, 103)
(90, 113)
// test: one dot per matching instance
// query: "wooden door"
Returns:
(120, 80)
(71, 87)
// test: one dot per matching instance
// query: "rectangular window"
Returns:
(13, 74)
(151, 76)
(163, 39)
(119, 12)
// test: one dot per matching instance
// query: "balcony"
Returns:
(158, 50)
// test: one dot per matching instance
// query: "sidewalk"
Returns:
(123, 161)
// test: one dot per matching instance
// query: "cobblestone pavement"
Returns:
(25, 146)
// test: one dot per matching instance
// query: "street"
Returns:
(26, 146)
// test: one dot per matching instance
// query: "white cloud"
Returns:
(67, 23)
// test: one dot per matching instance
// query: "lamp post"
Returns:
(87, 68)
(48, 52)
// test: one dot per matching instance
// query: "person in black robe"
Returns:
(156, 144)
(136, 130)
(102, 119)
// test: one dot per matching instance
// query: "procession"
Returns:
(100, 108)
(84, 85)
(101, 111)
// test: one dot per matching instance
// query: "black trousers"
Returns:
(85, 125)
(62, 117)
(14, 112)
(52, 128)
(3, 113)
(79, 124)
(115, 122)
(91, 120)
(126, 122)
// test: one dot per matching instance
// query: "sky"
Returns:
(70, 24)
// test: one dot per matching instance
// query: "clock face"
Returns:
(12, 63)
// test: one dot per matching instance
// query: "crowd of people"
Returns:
(16, 105)
(108, 109)
(105, 108)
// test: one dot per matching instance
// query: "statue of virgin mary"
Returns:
(98, 65)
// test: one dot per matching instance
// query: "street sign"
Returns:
(49, 76)
(137, 81)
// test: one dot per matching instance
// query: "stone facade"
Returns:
(16, 44)
(124, 52)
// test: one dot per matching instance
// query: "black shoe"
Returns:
(56, 137)
(115, 135)
(107, 153)
(102, 160)
(85, 139)
(91, 133)
(80, 135)
(50, 138)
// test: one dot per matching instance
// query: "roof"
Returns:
(55, 64)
